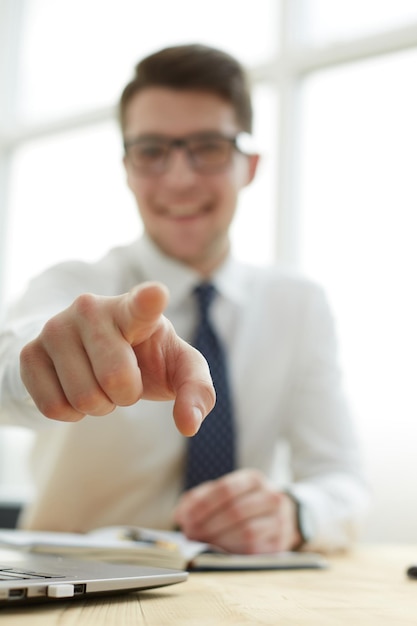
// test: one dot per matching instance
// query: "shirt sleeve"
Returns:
(46, 294)
(327, 467)
(16, 405)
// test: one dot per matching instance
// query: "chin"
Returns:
(181, 249)
(185, 256)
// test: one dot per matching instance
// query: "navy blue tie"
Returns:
(211, 452)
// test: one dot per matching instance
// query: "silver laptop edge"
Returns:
(26, 577)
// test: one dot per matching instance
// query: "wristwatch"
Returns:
(304, 519)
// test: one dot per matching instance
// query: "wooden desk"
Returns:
(364, 588)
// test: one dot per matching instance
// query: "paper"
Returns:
(145, 546)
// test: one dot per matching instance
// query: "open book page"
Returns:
(145, 546)
(119, 544)
(169, 540)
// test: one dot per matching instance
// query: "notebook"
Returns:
(156, 548)
(30, 578)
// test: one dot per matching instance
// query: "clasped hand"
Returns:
(103, 352)
(242, 512)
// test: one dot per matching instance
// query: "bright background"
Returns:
(335, 102)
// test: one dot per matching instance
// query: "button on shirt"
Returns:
(128, 467)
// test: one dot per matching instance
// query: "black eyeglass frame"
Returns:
(242, 142)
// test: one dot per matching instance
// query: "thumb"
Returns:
(140, 310)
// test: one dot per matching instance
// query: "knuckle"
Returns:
(52, 328)
(110, 381)
(250, 538)
(275, 499)
(224, 488)
(86, 305)
(87, 402)
(121, 385)
(255, 479)
(236, 513)
(27, 356)
(58, 410)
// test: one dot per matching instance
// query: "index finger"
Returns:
(193, 388)
(187, 374)
(207, 498)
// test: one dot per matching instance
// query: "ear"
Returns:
(126, 166)
(252, 166)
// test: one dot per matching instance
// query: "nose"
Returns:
(179, 169)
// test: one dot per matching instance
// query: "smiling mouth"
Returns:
(183, 214)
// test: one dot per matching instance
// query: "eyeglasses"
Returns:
(207, 153)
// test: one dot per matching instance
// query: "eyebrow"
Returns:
(205, 134)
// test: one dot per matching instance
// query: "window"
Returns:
(78, 55)
(357, 229)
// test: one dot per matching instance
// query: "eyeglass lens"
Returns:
(204, 154)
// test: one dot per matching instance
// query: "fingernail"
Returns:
(198, 418)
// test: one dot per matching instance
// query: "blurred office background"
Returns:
(335, 96)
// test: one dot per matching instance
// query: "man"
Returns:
(89, 358)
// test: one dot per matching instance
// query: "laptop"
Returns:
(27, 578)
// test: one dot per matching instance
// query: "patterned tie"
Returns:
(211, 452)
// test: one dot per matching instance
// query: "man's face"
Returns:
(187, 213)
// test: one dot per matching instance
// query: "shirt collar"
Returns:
(229, 280)
(181, 279)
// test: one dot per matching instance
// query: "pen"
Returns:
(138, 535)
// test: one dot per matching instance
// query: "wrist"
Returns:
(304, 522)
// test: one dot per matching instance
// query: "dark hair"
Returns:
(197, 67)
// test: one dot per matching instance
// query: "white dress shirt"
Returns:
(127, 467)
